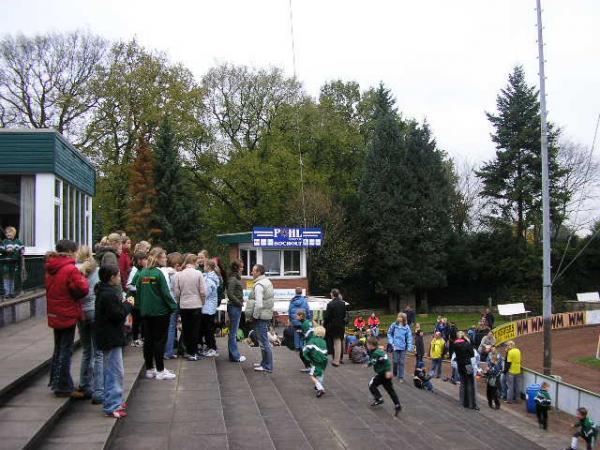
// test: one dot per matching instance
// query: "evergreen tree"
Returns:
(512, 182)
(175, 211)
(142, 193)
(406, 193)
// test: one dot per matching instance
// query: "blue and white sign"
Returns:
(287, 237)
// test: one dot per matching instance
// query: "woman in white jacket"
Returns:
(189, 291)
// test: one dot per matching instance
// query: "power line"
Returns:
(298, 116)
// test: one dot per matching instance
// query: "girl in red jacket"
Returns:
(65, 286)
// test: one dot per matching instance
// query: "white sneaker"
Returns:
(242, 359)
(151, 373)
(165, 375)
(256, 365)
(261, 369)
(211, 353)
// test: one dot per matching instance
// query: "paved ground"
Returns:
(567, 345)
(217, 404)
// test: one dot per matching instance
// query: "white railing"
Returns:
(565, 396)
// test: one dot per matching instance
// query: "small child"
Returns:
(421, 379)
(11, 250)
(315, 352)
(588, 430)
(273, 337)
(419, 344)
(542, 405)
(111, 311)
(380, 362)
(305, 332)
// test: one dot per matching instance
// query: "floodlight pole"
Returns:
(547, 281)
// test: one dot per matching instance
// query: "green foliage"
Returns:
(405, 200)
(175, 209)
(512, 181)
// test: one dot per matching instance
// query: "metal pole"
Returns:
(547, 281)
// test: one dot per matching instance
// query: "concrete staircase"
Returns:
(216, 404)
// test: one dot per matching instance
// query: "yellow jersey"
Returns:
(437, 348)
(514, 358)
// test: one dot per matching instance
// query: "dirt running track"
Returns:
(567, 345)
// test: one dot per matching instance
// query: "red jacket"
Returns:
(374, 321)
(65, 286)
(124, 267)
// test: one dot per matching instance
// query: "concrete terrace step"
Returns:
(184, 413)
(281, 423)
(25, 351)
(246, 428)
(82, 423)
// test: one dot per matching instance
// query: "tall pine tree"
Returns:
(142, 195)
(406, 194)
(176, 214)
(512, 182)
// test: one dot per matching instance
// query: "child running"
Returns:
(380, 362)
(587, 432)
(315, 352)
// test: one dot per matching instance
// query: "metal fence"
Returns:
(565, 396)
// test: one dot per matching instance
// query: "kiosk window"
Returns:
(272, 262)
(248, 257)
(291, 262)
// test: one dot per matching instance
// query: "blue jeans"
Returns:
(113, 379)
(9, 285)
(514, 387)
(262, 328)
(60, 371)
(90, 374)
(436, 367)
(234, 312)
(171, 335)
(399, 358)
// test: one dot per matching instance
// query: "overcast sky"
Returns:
(443, 60)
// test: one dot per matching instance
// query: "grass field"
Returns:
(589, 361)
(462, 320)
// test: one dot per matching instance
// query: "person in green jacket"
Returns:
(542, 405)
(11, 250)
(156, 305)
(315, 352)
(587, 432)
(378, 359)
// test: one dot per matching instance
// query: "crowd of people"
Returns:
(144, 297)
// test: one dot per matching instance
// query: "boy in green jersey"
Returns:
(588, 430)
(380, 362)
(542, 405)
(315, 352)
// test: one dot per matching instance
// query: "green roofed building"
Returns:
(46, 189)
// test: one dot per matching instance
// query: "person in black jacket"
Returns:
(464, 352)
(419, 344)
(111, 312)
(335, 324)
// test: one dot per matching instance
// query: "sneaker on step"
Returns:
(242, 359)
(397, 409)
(165, 375)
(256, 365)
(377, 402)
(117, 413)
(305, 370)
(262, 369)
(151, 373)
(211, 353)
(320, 393)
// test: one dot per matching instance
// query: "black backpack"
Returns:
(288, 337)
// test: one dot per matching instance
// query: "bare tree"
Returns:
(242, 102)
(45, 80)
(469, 207)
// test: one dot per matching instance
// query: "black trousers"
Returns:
(303, 359)
(207, 330)
(190, 323)
(388, 385)
(542, 415)
(155, 339)
(492, 396)
(467, 388)
(136, 326)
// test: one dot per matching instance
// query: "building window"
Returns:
(272, 262)
(248, 257)
(291, 262)
(72, 213)
(17, 206)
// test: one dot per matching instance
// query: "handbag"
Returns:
(389, 348)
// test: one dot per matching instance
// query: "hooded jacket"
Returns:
(212, 301)
(65, 286)
(111, 312)
(296, 303)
